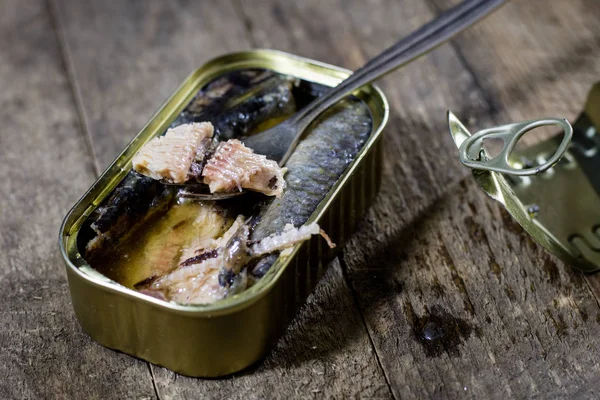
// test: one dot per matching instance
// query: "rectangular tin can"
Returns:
(231, 334)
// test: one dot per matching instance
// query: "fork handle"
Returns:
(418, 43)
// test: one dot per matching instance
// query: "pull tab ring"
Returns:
(471, 149)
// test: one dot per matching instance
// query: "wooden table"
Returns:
(434, 255)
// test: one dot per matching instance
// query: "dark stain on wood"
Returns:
(279, 15)
(438, 331)
(472, 207)
(475, 230)
(420, 259)
(558, 323)
(437, 288)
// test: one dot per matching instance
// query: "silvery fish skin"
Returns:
(314, 167)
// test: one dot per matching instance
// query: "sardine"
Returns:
(241, 102)
(133, 201)
(216, 268)
(315, 165)
(228, 103)
(236, 167)
(170, 157)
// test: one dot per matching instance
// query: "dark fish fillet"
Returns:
(241, 109)
(314, 167)
(213, 97)
(135, 199)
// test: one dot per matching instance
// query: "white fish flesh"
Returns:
(236, 167)
(170, 157)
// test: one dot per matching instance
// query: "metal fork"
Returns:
(279, 142)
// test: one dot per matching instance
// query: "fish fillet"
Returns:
(198, 279)
(236, 167)
(169, 157)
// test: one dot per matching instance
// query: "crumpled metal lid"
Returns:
(551, 189)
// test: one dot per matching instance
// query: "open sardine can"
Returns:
(552, 189)
(224, 337)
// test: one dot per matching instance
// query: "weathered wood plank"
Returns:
(534, 58)
(327, 350)
(318, 26)
(458, 300)
(44, 167)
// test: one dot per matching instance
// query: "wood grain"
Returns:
(534, 58)
(439, 294)
(44, 167)
(556, 66)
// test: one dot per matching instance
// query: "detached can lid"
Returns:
(552, 189)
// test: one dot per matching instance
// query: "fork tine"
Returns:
(207, 196)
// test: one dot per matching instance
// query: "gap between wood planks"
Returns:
(344, 266)
(362, 318)
(248, 26)
(473, 72)
(154, 381)
(67, 63)
(489, 101)
(493, 105)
